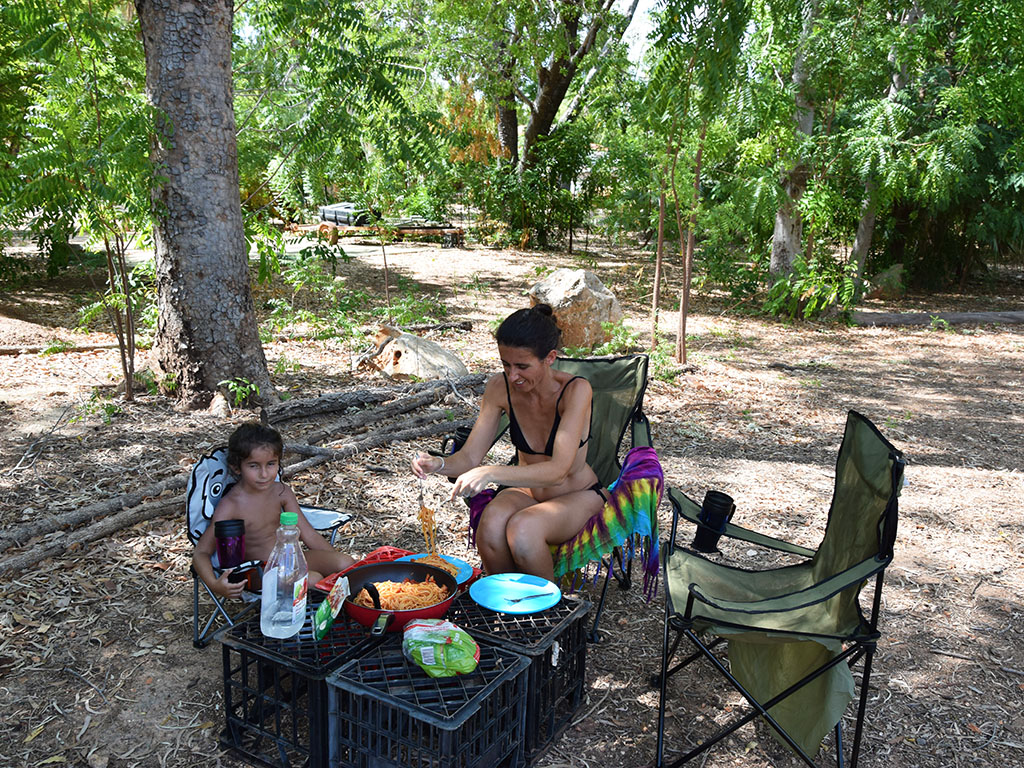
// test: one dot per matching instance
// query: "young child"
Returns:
(257, 498)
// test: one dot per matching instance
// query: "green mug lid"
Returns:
(289, 518)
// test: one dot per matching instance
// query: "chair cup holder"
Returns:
(715, 513)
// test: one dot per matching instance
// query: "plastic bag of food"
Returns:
(440, 648)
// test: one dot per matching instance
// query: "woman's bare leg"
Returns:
(491, 536)
(530, 531)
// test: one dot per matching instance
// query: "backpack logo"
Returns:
(209, 480)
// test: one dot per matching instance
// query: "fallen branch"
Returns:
(374, 415)
(91, 533)
(55, 348)
(338, 401)
(925, 318)
(463, 325)
(433, 423)
(71, 518)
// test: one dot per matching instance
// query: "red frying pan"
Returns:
(382, 620)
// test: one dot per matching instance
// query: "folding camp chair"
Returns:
(619, 384)
(793, 632)
(208, 482)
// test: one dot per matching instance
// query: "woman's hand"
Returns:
(424, 464)
(470, 483)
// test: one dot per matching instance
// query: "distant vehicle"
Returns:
(348, 219)
(348, 214)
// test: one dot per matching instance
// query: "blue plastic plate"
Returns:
(464, 574)
(498, 592)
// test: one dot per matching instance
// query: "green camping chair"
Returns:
(793, 632)
(619, 384)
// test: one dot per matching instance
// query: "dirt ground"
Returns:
(97, 666)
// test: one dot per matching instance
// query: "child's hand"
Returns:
(226, 588)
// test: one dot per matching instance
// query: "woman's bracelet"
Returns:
(442, 465)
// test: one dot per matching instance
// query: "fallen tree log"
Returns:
(90, 533)
(431, 423)
(461, 325)
(926, 318)
(19, 534)
(337, 401)
(370, 416)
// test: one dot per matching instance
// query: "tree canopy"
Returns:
(801, 144)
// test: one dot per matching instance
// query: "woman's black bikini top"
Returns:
(519, 439)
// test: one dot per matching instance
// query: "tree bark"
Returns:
(206, 327)
(508, 128)
(788, 224)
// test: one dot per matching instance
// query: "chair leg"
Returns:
(593, 637)
(869, 654)
(663, 686)
(759, 709)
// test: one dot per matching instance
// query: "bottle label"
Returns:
(299, 599)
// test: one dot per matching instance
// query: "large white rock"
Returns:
(409, 356)
(580, 303)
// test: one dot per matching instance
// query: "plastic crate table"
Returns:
(275, 694)
(385, 711)
(555, 641)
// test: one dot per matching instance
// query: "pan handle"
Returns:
(371, 590)
(381, 624)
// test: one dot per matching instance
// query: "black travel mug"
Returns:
(715, 512)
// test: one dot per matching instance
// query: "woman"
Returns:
(552, 492)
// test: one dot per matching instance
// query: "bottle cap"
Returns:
(289, 518)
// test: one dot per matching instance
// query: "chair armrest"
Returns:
(640, 431)
(687, 508)
(325, 520)
(793, 601)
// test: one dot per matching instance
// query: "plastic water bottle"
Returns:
(285, 577)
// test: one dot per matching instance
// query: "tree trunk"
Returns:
(553, 82)
(508, 128)
(206, 327)
(659, 255)
(866, 223)
(691, 240)
(788, 225)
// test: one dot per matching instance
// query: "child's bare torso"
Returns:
(261, 512)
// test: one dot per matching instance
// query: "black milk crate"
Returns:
(386, 712)
(555, 641)
(275, 694)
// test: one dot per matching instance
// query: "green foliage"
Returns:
(56, 347)
(241, 391)
(141, 296)
(98, 404)
(76, 156)
(814, 287)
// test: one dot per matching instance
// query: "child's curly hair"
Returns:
(249, 437)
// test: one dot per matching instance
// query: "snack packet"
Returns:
(328, 610)
(440, 648)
